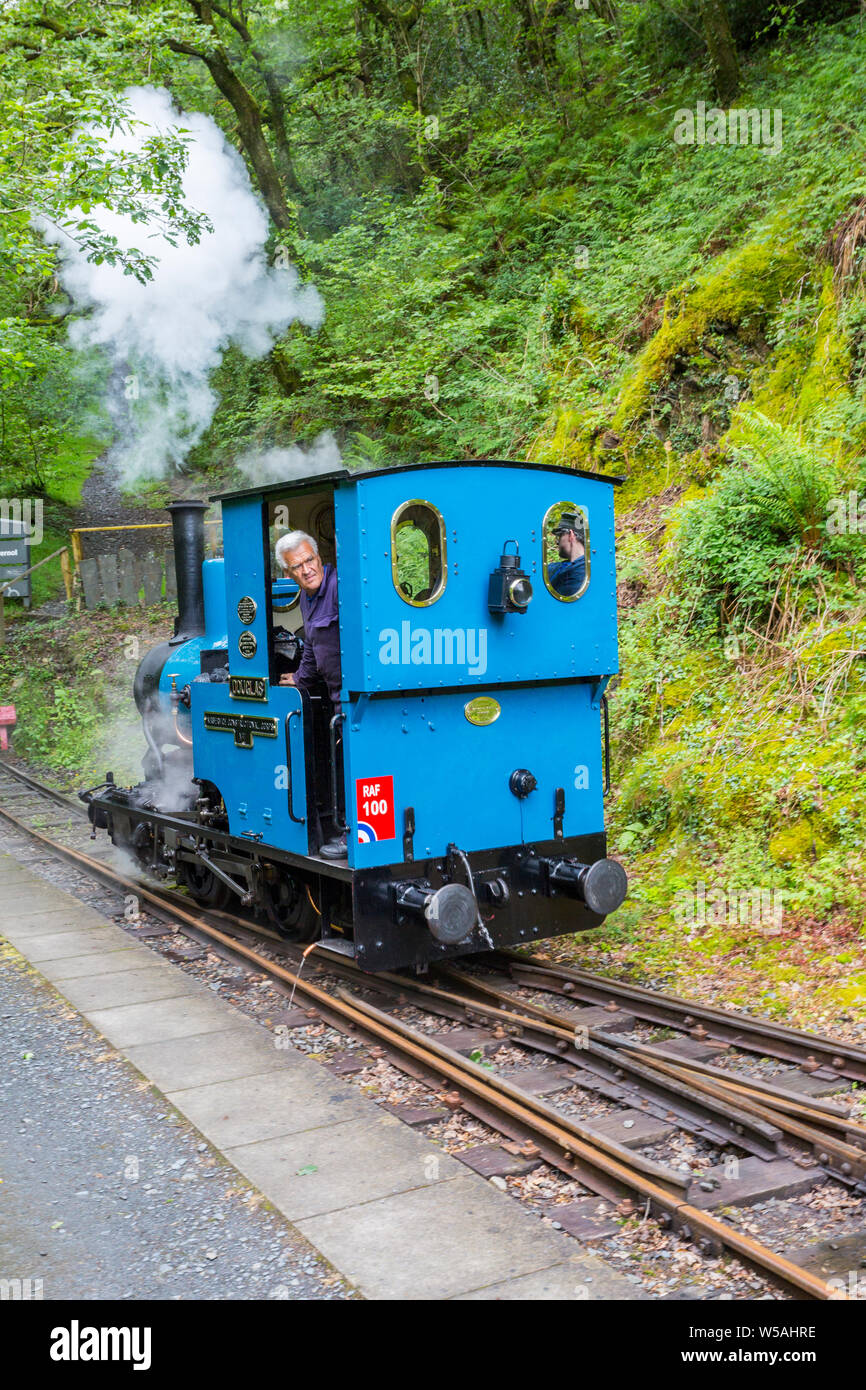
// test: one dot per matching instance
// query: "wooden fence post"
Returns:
(152, 576)
(89, 571)
(127, 567)
(66, 572)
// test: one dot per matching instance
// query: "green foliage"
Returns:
(47, 403)
(738, 291)
(517, 259)
(55, 722)
(57, 162)
(365, 452)
(70, 679)
(413, 560)
(765, 515)
(440, 208)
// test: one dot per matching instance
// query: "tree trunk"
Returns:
(722, 50)
(288, 378)
(536, 42)
(250, 130)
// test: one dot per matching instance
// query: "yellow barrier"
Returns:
(79, 531)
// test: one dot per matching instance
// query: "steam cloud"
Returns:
(166, 337)
(283, 465)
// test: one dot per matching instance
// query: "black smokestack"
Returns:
(187, 523)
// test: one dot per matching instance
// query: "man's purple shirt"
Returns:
(321, 614)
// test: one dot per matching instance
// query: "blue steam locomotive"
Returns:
(467, 757)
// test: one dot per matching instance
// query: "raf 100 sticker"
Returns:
(374, 798)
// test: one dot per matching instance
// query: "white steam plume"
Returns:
(165, 337)
(284, 465)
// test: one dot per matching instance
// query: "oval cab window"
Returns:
(566, 551)
(418, 553)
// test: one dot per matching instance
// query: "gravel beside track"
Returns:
(107, 1193)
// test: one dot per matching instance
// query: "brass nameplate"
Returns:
(244, 726)
(248, 687)
(246, 609)
(482, 710)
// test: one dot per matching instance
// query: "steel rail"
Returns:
(575, 1164)
(723, 1122)
(842, 1160)
(815, 1108)
(60, 797)
(512, 1024)
(710, 1227)
(818, 1113)
(790, 1116)
(748, 1134)
(750, 1034)
(768, 1032)
(788, 1102)
(850, 1161)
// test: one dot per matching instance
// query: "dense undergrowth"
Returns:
(70, 679)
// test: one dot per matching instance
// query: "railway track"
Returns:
(586, 1037)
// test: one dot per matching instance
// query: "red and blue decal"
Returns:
(374, 805)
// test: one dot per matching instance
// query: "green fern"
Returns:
(786, 480)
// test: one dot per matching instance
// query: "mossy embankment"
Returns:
(733, 402)
(739, 715)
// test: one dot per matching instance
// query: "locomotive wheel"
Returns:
(204, 886)
(289, 909)
(142, 844)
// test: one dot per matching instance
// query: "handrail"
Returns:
(299, 820)
(339, 825)
(78, 531)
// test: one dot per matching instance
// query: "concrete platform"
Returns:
(392, 1212)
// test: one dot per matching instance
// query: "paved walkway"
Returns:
(389, 1210)
(107, 1192)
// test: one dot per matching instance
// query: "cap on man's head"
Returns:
(569, 521)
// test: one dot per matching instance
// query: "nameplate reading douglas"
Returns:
(244, 726)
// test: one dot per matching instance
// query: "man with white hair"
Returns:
(298, 556)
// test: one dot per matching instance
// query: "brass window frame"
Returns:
(575, 507)
(443, 577)
(285, 607)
